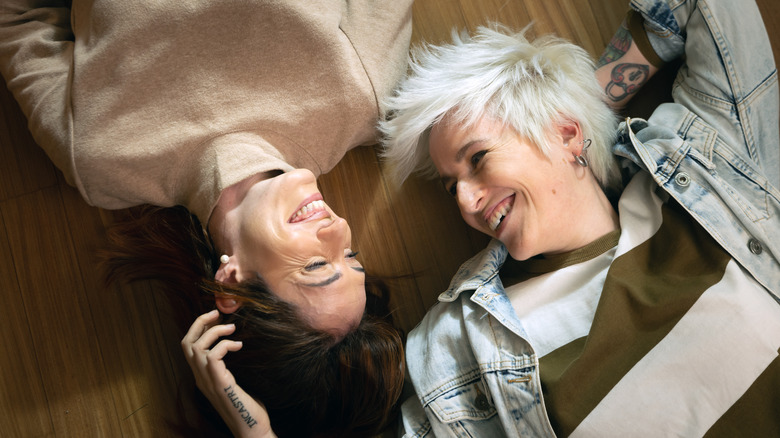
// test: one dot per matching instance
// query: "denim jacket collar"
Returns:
(477, 271)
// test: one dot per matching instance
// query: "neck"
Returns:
(603, 219)
(229, 199)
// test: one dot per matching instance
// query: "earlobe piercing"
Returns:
(224, 258)
(580, 159)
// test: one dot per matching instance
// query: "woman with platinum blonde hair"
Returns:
(528, 85)
(627, 260)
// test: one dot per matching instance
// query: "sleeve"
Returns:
(36, 58)
(656, 31)
(636, 25)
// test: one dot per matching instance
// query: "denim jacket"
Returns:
(474, 372)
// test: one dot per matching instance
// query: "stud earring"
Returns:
(581, 159)
(224, 258)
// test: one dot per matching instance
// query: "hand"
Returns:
(244, 416)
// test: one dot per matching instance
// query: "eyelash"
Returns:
(475, 160)
(315, 265)
(320, 263)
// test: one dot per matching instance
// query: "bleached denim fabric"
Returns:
(716, 150)
(474, 373)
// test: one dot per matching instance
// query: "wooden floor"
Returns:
(77, 360)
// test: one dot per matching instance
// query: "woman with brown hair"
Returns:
(342, 384)
(224, 114)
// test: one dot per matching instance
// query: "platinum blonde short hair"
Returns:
(527, 85)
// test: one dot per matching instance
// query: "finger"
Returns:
(215, 365)
(211, 335)
(197, 327)
(222, 348)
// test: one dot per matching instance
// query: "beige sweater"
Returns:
(170, 102)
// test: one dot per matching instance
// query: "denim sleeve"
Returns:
(663, 31)
(636, 26)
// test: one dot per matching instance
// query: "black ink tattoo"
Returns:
(245, 415)
(626, 79)
(617, 47)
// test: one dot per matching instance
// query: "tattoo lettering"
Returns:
(625, 80)
(245, 415)
(617, 47)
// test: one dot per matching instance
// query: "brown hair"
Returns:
(310, 382)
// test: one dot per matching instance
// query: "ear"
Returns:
(227, 272)
(227, 304)
(571, 135)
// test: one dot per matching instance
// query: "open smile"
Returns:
(499, 212)
(312, 207)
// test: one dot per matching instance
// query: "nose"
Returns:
(469, 197)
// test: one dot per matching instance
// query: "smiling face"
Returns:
(289, 237)
(508, 189)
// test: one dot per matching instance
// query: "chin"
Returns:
(516, 253)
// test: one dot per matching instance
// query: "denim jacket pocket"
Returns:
(468, 401)
(465, 410)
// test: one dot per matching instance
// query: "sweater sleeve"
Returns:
(36, 54)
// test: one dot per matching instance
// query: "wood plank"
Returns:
(433, 21)
(26, 167)
(60, 322)
(770, 11)
(354, 189)
(22, 396)
(609, 14)
(438, 240)
(133, 346)
(482, 13)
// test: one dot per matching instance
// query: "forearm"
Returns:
(235, 411)
(623, 68)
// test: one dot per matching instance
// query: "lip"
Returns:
(308, 200)
(508, 201)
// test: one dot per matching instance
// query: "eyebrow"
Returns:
(325, 282)
(462, 151)
(459, 157)
(330, 280)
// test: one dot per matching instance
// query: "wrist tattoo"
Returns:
(626, 79)
(617, 47)
(245, 415)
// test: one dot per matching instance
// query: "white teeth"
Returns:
(498, 215)
(312, 206)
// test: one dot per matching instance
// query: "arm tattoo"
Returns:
(626, 79)
(617, 47)
(245, 415)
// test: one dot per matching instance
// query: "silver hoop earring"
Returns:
(580, 159)
(224, 258)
